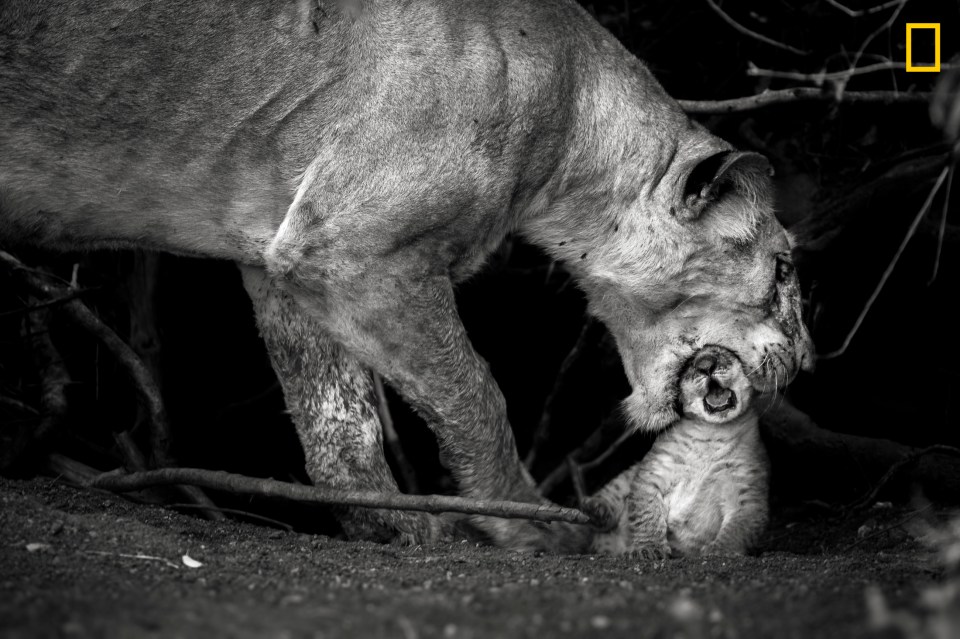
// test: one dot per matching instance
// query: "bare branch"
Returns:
(890, 267)
(884, 27)
(49, 287)
(39, 305)
(943, 227)
(233, 483)
(407, 474)
(853, 13)
(821, 76)
(753, 34)
(17, 405)
(542, 433)
(53, 400)
(800, 94)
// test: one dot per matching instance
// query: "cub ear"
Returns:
(706, 181)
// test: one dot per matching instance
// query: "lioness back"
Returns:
(189, 126)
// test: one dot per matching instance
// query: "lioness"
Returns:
(357, 160)
(702, 488)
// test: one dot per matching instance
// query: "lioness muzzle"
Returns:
(357, 161)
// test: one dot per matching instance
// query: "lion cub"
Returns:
(702, 488)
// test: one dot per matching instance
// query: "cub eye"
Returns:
(784, 269)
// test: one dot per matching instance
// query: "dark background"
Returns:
(852, 166)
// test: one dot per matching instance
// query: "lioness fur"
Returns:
(358, 159)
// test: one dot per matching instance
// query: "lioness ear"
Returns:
(706, 182)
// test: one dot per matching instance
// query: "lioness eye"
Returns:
(784, 269)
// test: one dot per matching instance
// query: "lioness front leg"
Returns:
(331, 399)
(409, 330)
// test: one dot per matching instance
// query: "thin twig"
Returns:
(943, 226)
(890, 267)
(54, 378)
(853, 13)
(884, 27)
(821, 76)
(233, 483)
(542, 432)
(753, 34)
(562, 471)
(131, 556)
(909, 460)
(407, 475)
(576, 475)
(146, 390)
(237, 513)
(887, 529)
(611, 449)
(18, 405)
(800, 94)
(39, 305)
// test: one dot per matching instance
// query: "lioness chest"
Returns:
(700, 489)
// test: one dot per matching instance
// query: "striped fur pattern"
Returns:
(703, 487)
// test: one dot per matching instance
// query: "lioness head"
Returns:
(693, 256)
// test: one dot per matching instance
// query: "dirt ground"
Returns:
(77, 563)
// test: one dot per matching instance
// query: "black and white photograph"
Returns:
(479, 319)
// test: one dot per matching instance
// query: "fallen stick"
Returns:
(233, 483)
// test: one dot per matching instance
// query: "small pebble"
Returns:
(600, 622)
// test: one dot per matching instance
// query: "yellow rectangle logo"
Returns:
(923, 68)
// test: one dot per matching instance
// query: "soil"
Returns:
(81, 563)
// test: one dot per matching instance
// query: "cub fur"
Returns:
(703, 487)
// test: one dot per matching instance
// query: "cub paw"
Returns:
(650, 553)
(602, 515)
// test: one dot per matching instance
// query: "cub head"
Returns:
(696, 257)
(714, 388)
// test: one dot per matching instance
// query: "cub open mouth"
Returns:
(718, 398)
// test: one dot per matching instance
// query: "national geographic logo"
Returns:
(924, 28)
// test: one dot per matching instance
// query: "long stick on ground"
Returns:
(230, 482)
